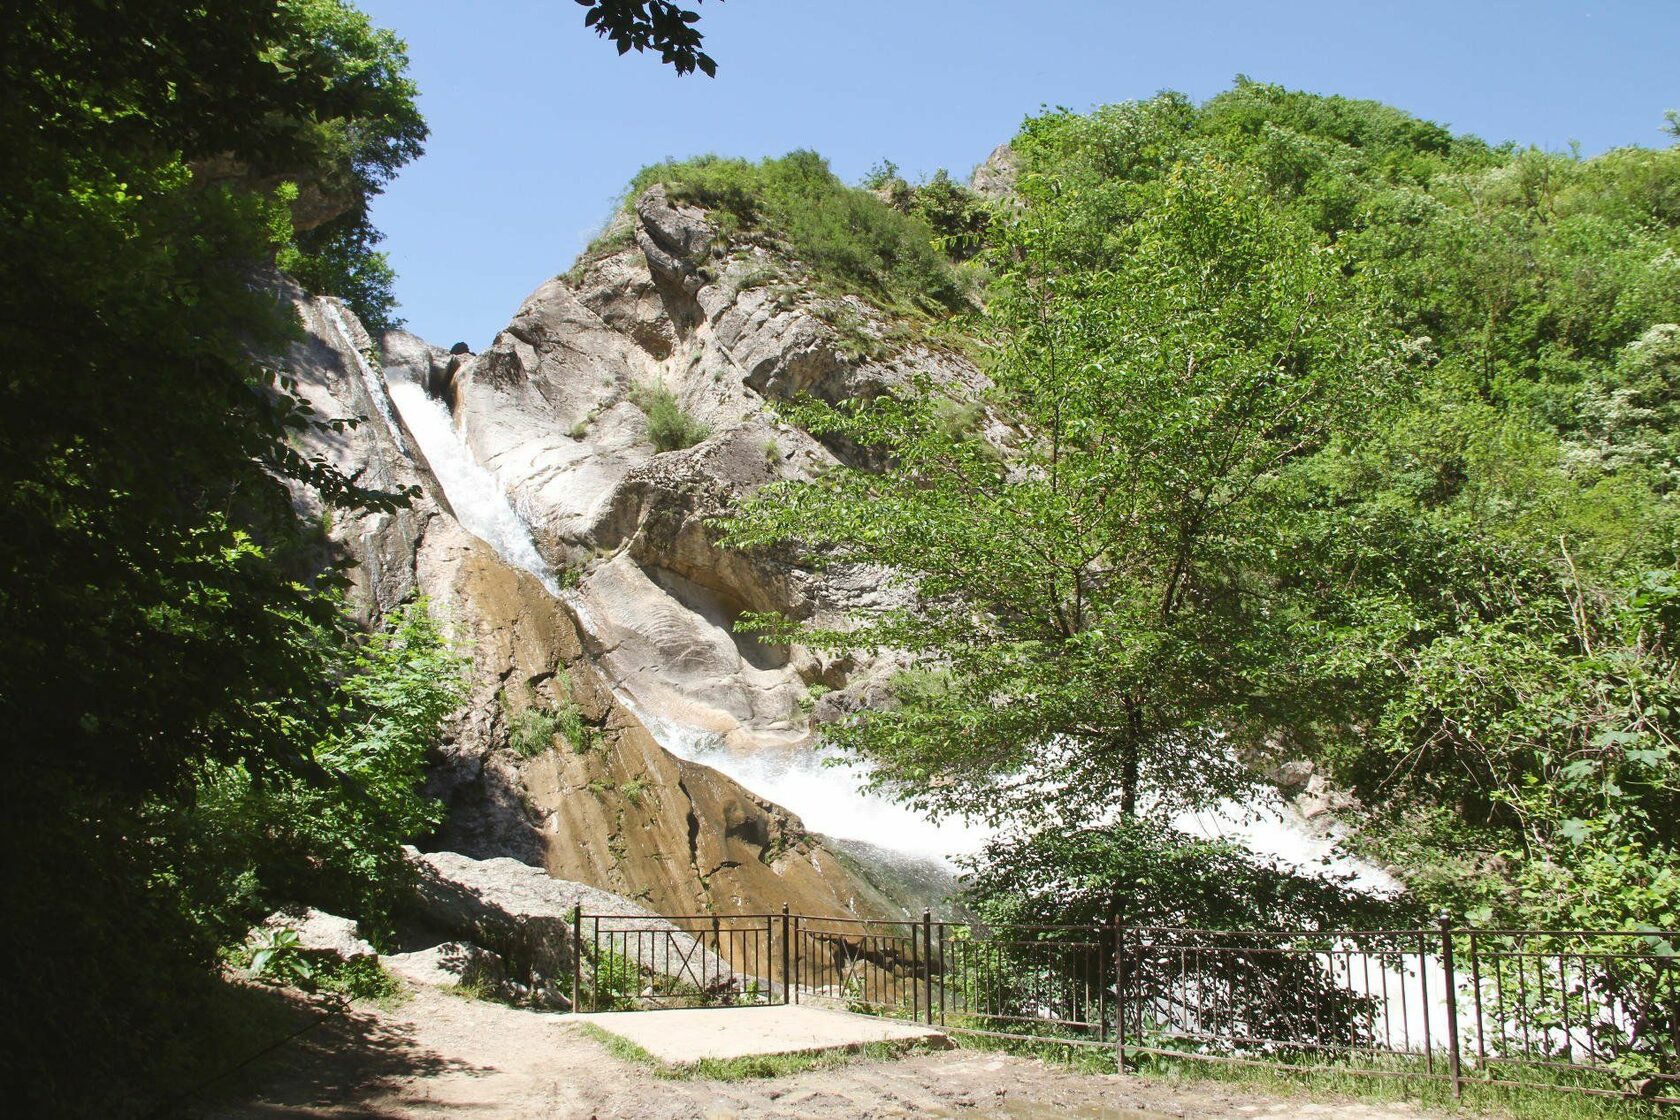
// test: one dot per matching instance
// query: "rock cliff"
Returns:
(726, 327)
(612, 809)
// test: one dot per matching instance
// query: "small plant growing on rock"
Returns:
(532, 731)
(669, 426)
(633, 790)
(279, 957)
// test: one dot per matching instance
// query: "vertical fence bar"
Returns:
(927, 957)
(915, 988)
(944, 972)
(577, 956)
(1476, 995)
(787, 981)
(1445, 922)
(1423, 994)
(1119, 993)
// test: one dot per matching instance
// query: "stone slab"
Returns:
(682, 1036)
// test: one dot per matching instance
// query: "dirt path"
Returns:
(438, 1054)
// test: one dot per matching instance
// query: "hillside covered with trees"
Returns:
(1334, 436)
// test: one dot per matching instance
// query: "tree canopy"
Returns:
(1315, 432)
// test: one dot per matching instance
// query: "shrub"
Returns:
(669, 426)
(852, 241)
(569, 720)
(531, 732)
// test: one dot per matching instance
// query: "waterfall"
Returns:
(371, 380)
(480, 503)
(828, 795)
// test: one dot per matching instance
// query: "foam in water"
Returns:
(1269, 829)
(828, 796)
(480, 503)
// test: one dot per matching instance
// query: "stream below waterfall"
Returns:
(830, 799)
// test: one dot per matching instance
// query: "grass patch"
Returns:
(361, 978)
(1279, 1080)
(851, 240)
(741, 1069)
(618, 236)
(1490, 1100)
(669, 426)
(532, 731)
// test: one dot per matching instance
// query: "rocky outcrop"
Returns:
(724, 326)
(619, 811)
(319, 932)
(995, 178)
(524, 919)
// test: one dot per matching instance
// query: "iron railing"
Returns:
(1578, 1011)
(622, 963)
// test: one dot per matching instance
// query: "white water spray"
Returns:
(1277, 831)
(480, 503)
(829, 796)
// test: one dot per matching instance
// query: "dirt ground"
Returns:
(438, 1054)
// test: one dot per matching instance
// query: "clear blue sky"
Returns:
(537, 124)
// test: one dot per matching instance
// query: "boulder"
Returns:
(318, 931)
(524, 917)
(450, 964)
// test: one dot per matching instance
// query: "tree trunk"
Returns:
(1131, 748)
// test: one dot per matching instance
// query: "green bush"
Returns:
(532, 731)
(669, 426)
(851, 240)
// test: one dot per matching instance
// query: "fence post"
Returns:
(577, 955)
(1445, 922)
(927, 963)
(787, 981)
(1119, 996)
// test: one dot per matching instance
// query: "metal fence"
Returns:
(1577, 1011)
(624, 963)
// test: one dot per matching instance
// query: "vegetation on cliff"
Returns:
(193, 725)
(850, 239)
(1331, 435)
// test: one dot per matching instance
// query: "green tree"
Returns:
(162, 608)
(1090, 617)
(658, 25)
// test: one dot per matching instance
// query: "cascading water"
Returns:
(830, 799)
(480, 504)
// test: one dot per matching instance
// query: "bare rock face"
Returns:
(523, 917)
(551, 407)
(995, 178)
(617, 811)
(319, 931)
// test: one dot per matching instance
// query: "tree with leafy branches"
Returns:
(1090, 614)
